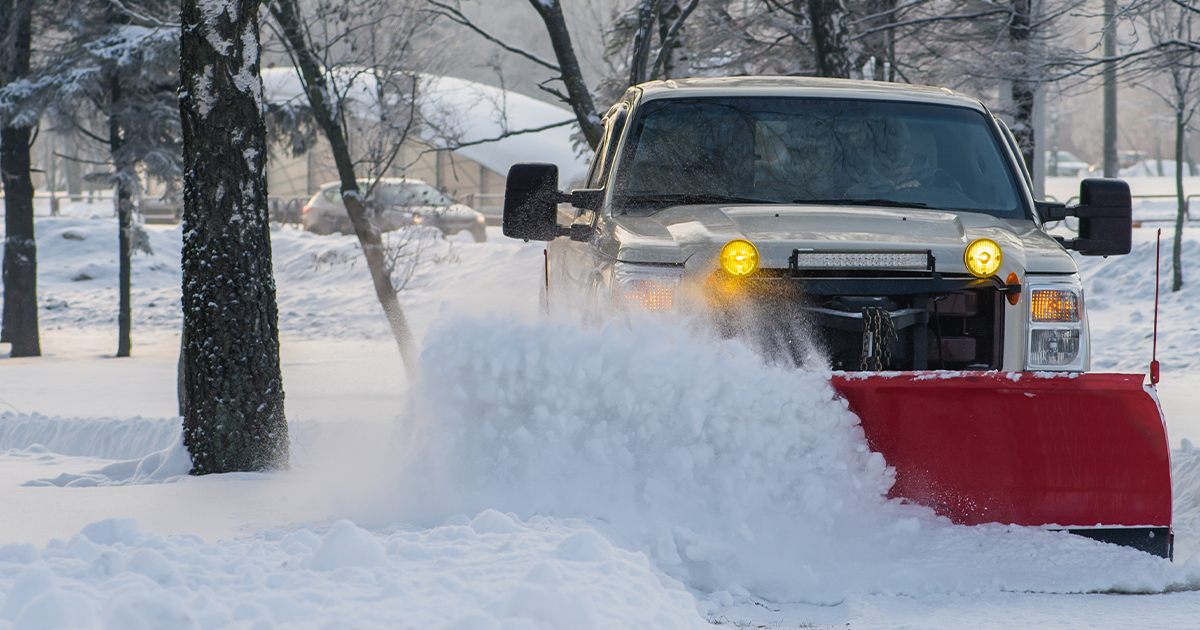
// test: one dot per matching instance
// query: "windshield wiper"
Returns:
(886, 203)
(690, 199)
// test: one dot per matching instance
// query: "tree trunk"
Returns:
(877, 46)
(1187, 154)
(234, 416)
(1181, 214)
(572, 76)
(20, 324)
(1111, 165)
(642, 39)
(1023, 90)
(287, 14)
(124, 205)
(668, 13)
(830, 37)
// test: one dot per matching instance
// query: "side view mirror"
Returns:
(1105, 214)
(531, 198)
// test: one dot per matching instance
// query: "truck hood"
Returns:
(694, 235)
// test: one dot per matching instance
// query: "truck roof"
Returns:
(811, 87)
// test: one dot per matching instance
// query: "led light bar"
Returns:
(861, 260)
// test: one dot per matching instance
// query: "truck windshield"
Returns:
(814, 151)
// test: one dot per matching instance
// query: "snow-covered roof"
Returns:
(459, 111)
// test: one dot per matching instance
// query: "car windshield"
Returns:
(814, 151)
(398, 195)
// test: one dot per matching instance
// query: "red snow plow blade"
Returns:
(1083, 452)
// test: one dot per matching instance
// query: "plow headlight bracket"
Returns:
(983, 257)
(739, 258)
(1057, 338)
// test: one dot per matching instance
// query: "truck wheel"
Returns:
(479, 231)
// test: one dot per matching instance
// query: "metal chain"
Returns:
(878, 333)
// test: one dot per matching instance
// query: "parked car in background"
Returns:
(1125, 159)
(394, 203)
(1068, 165)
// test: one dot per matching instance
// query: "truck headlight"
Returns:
(1056, 333)
(1053, 347)
(646, 287)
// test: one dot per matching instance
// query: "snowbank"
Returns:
(1120, 300)
(166, 466)
(105, 438)
(485, 573)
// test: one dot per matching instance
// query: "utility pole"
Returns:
(1110, 89)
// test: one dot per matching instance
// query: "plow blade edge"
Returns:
(1072, 450)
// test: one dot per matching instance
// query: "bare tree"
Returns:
(1175, 80)
(377, 36)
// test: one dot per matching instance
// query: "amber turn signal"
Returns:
(1013, 298)
(1054, 305)
(648, 295)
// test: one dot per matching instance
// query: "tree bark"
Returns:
(878, 45)
(1181, 214)
(124, 204)
(830, 38)
(668, 13)
(287, 14)
(20, 324)
(1111, 164)
(642, 39)
(578, 95)
(1023, 90)
(234, 415)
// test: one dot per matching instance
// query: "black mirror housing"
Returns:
(1105, 214)
(1105, 218)
(531, 200)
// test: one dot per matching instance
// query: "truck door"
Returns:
(573, 263)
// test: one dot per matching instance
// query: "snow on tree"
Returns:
(232, 393)
(113, 80)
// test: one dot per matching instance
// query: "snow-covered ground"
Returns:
(540, 476)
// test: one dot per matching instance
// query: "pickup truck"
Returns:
(875, 226)
(889, 234)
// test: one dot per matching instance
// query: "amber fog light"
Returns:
(983, 257)
(739, 257)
